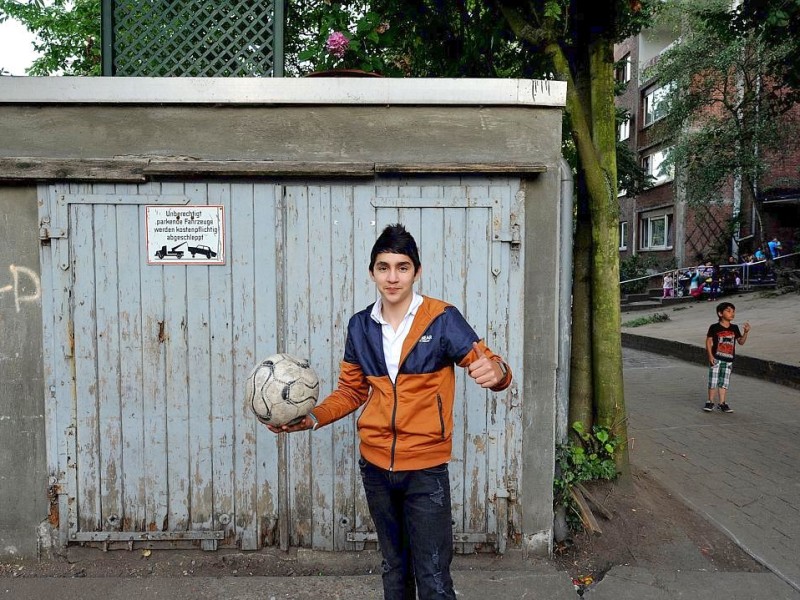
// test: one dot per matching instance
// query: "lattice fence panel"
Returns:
(165, 38)
(709, 234)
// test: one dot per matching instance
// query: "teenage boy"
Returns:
(721, 342)
(399, 360)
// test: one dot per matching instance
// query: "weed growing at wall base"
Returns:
(592, 457)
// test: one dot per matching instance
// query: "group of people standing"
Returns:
(705, 279)
(710, 279)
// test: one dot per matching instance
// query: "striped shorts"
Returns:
(719, 376)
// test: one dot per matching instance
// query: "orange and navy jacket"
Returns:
(407, 425)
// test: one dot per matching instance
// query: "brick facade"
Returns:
(699, 234)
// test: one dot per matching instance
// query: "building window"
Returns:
(623, 235)
(622, 70)
(653, 165)
(655, 232)
(655, 105)
(624, 130)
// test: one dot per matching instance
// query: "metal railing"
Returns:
(752, 274)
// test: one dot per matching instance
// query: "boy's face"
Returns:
(394, 277)
(728, 314)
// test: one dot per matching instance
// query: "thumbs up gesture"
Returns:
(486, 372)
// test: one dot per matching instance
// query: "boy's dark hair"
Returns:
(722, 306)
(395, 240)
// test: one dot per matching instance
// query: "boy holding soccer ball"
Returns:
(399, 359)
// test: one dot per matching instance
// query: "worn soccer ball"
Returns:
(282, 388)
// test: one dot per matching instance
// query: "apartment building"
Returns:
(658, 222)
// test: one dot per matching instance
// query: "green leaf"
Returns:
(552, 9)
(602, 435)
(367, 22)
(307, 54)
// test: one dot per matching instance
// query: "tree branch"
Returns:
(538, 36)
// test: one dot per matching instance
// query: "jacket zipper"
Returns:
(394, 408)
(441, 412)
(394, 425)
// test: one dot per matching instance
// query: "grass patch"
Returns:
(655, 318)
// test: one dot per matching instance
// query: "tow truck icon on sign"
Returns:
(163, 253)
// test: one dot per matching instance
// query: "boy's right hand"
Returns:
(712, 361)
(300, 425)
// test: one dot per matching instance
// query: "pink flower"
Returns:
(337, 44)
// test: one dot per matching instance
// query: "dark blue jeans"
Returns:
(413, 518)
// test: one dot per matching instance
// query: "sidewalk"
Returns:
(740, 470)
(471, 585)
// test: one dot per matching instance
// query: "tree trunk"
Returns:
(604, 208)
(580, 370)
(599, 168)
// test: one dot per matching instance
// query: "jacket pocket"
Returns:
(441, 413)
(364, 409)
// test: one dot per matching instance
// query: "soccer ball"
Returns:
(282, 388)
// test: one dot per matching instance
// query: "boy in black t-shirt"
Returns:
(721, 348)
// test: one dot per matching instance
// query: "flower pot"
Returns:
(343, 73)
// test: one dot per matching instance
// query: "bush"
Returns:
(633, 267)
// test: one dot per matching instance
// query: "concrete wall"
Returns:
(326, 133)
(23, 470)
(540, 357)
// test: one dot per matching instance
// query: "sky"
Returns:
(16, 52)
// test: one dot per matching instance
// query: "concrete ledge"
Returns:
(281, 90)
(768, 370)
(650, 305)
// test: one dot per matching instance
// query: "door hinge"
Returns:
(510, 234)
(47, 232)
(509, 492)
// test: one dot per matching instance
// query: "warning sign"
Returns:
(185, 235)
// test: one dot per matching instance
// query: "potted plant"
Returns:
(349, 43)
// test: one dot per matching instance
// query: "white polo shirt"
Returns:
(393, 340)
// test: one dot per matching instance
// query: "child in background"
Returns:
(713, 287)
(721, 341)
(667, 286)
(696, 284)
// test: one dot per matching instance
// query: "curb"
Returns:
(768, 370)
